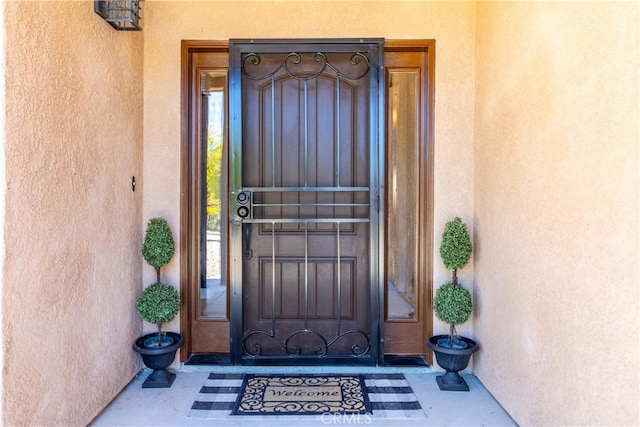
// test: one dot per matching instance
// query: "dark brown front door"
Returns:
(304, 201)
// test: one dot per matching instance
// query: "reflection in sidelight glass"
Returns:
(402, 208)
(213, 288)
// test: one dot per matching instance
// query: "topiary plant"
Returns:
(452, 303)
(158, 246)
(159, 302)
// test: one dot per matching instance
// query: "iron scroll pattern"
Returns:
(255, 349)
(358, 61)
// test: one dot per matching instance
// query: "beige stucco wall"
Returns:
(2, 194)
(556, 189)
(167, 23)
(73, 226)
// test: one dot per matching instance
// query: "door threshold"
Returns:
(223, 362)
(408, 361)
(308, 370)
(209, 359)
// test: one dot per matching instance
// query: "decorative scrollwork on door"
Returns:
(316, 346)
(304, 66)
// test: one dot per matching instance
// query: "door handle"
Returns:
(247, 253)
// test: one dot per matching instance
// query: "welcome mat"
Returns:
(390, 397)
(302, 395)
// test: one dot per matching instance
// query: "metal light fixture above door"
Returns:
(123, 15)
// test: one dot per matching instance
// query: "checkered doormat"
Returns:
(390, 395)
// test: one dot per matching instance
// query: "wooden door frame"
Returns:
(189, 264)
(189, 224)
(424, 206)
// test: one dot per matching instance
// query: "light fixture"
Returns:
(123, 15)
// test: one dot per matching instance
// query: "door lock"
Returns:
(243, 197)
(243, 211)
(244, 200)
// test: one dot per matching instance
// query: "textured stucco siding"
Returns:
(556, 200)
(73, 226)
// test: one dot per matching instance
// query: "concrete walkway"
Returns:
(136, 406)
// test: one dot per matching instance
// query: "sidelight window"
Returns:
(213, 283)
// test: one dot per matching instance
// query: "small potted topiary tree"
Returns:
(452, 304)
(159, 303)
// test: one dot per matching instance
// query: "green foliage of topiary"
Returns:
(158, 246)
(452, 304)
(455, 249)
(158, 303)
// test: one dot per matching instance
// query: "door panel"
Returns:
(305, 215)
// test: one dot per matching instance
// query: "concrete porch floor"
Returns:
(136, 406)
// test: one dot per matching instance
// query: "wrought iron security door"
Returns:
(305, 224)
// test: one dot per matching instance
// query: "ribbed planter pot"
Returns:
(452, 360)
(158, 359)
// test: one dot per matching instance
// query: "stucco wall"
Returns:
(73, 225)
(556, 210)
(450, 24)
(2, 191)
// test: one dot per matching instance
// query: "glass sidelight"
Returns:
(402, 203)
(409, 98)
(213, 286)
(204, 280)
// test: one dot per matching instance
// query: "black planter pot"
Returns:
(158, 359)
(452, 360)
